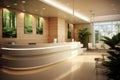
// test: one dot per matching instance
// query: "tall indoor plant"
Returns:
(113, 64)
(83, 36)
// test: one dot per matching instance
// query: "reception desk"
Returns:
(27, 57)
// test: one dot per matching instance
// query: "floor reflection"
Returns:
(78, 68)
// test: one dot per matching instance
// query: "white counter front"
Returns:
(25, 57)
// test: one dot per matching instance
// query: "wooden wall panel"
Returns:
(76, 28)
(53, 29)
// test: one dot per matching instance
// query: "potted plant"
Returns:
(113, 64)
(83, 36)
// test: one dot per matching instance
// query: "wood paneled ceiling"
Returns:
(102, 9)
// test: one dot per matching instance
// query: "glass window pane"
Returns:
(106, 29)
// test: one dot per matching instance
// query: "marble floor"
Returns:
(81, 67)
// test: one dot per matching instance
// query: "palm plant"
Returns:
(111, 42)
(113, 64)
(83, 35)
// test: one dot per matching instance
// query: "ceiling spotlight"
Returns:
(23, 10)
(43, 8)
(36, 10)
(23, 1)
(8, 6)
(15, 4)
(112, 5)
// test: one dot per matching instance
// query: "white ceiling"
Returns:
(103, 9)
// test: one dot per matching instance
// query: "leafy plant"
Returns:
(111, 41)
(113, 64)
(83, 35)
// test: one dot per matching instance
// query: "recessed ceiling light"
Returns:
(113, 5)
(23, 1)
(15, 4)
(36, 10)
(43, 8)
(8, 6)
(23, 10)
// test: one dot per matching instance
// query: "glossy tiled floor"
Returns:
(81, 67)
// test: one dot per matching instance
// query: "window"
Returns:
(106, 29)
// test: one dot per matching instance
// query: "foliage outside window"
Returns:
(106, 29)
(9, 24)
(39, 28)
(28, 24)
(96, 36)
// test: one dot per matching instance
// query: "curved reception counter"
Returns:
(27, 57)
